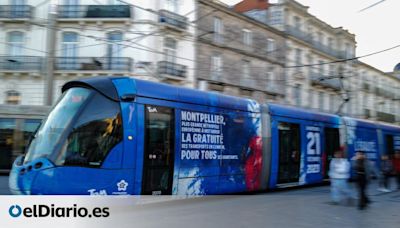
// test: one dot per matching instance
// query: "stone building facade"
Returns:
(147, 39)
(237, 55)
(321, 70)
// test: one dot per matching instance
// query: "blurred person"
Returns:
(396, 164)
(362, 169)
(386, 171)
(339, 173)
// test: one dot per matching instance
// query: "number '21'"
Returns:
(313, 145)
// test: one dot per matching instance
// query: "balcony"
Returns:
(169, 69)
(173, 20)
(276, 88)
(385, 117)
(299, 34)
(94, 12)
(385, 93)
(15, 12)
(20, 63)
(93, 64)
(325, 49)
(317, 79)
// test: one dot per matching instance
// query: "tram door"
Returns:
(159, 151)
(289, 153)
(332, 144)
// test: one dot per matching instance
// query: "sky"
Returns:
(375, 28)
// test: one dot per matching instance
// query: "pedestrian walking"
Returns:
(361, 167)
(396, 166)
(339, 173)
(386, 171)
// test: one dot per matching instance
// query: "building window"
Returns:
(270, 46)
(114, 50)
(297, 23)
(297, 95)
(170, 50)
(71, 2)
(114, 47)
(270, 79)
(216, 66)
(311, 99)
(17, 8)
(320, 37)
(69, 49)
(330, 43)
(298, 57)
(247, 37)
(71, 8)
(348, 51)
(18, 2)
(69, 44)
(332, 102)
(331, 70)
(321, 101)
(321, 68)
(218, 30)
(114, 2)
(276, 17)
(171, 5)
(245, 69)
(15, 41)
(13, 97)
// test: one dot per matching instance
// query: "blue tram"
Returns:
(117, 136)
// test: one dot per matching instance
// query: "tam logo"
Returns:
(94, 192)
(122, 185)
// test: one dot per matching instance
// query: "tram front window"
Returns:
(50, 133)
(80, 131)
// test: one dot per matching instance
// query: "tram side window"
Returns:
(389, 145)
(97, 130)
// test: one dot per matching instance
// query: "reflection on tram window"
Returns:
(93, 135)
(28, 129)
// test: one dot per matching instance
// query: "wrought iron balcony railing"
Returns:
(318, 79)
(172, 69)
(296, 32)
(93, 63)
(94, 11)
(16, 11)
(173, 20)
(325, 49)
(21, 63)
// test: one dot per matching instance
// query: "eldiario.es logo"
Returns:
(41, 210)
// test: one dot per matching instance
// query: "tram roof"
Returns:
(371, 124)
(301, 113)
(355, 122)
(143, 88)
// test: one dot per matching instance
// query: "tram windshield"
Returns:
(80, 130)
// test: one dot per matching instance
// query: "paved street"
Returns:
(294, 208)
(306, 207)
